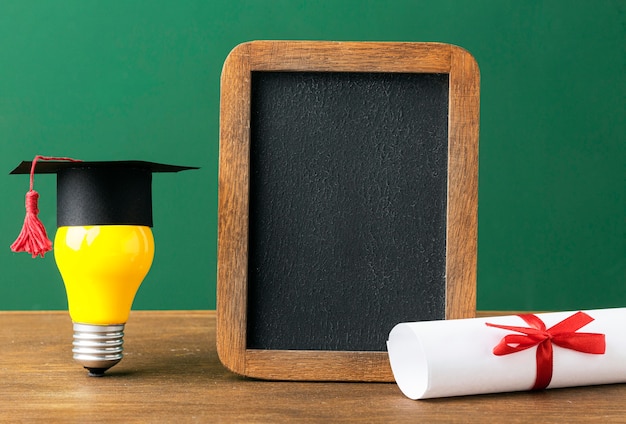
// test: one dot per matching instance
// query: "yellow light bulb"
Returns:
(102, 267)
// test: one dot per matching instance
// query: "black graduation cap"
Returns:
(97, 193)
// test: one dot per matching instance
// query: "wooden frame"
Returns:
(234, 174)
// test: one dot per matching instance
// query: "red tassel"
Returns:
(33, 238)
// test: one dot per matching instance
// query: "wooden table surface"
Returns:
(171, 373)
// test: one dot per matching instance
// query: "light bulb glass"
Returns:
(102, 267)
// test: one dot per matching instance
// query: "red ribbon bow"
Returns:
(562, 334)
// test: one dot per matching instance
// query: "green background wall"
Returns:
(107, 80)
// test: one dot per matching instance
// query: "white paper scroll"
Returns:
(455, 357)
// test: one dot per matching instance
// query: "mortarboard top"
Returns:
(53, 167)
(102, 193)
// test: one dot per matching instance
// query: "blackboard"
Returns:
(347, 202)
(347, 207)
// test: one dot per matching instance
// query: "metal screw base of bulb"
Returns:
(98, 347)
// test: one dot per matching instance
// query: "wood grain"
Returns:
(233, 194)
(320, 56)
(233, 207)
(171, 373)
(462, 185)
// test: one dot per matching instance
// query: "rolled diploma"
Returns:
(455, 357)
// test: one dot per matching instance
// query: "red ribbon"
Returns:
(562, 334)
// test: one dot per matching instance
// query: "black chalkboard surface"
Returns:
(347, 202)
(348, 176)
